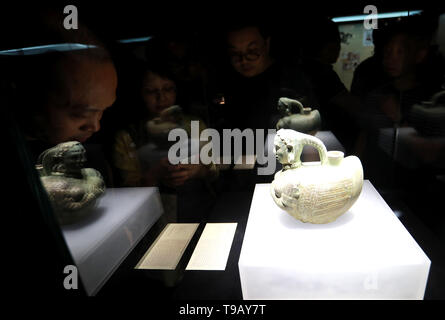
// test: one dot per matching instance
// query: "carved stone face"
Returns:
(66, 159)
(69, 185)
(75, 158)
(283, 108)
(282, 150)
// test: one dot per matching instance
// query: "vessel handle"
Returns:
(292, 104)
(318, 144)
(437, 96)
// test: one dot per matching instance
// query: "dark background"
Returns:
(129, 19)
(122, 20)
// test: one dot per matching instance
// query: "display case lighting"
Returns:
(45, 48)
(379, 16)
(142, 39)
(61, 47)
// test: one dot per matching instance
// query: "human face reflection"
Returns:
(88, 88)
(158, 93)
(248, 51)
(395, 56)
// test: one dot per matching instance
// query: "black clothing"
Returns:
(325, 82)
(252, 102)
(326, 85)
(368, 76)
(380, 96)
(378, 91)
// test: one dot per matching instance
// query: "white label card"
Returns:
(213, 248)
(168, 248)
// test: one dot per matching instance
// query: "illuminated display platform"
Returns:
(102, 241)
(365, 254)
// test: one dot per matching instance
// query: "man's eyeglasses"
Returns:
(250, 55)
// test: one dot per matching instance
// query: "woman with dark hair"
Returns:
(160, 114)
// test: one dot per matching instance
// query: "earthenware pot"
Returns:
(297, 117)
(315, 192)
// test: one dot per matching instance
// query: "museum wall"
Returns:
(357, 46)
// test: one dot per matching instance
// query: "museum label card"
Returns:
(168, 248)
(213, 248)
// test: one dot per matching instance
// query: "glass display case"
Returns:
(178, 118)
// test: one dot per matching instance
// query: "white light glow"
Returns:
(45, 48)
(142, 39)
(61, 47)
(378, 16)
(365, 254)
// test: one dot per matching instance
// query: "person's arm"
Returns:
(126, 161)
(430, 151)
(208, 172)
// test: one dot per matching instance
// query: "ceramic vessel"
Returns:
(297, 117)
(71, 188)
(169, 118)
(315, 192)
(158, 128)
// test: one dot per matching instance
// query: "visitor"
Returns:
(140, 151)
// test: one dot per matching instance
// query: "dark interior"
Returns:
(414, 193)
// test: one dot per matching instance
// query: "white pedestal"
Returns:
(365, 254)
(103, 240)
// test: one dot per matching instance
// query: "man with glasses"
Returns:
(251, 87)
(248, 49)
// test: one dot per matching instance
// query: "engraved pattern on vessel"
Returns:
(69, 186)
(321, 199)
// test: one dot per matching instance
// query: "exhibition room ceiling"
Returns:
(129, 20)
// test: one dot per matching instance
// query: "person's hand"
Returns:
(173, 175)
(177, 175)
